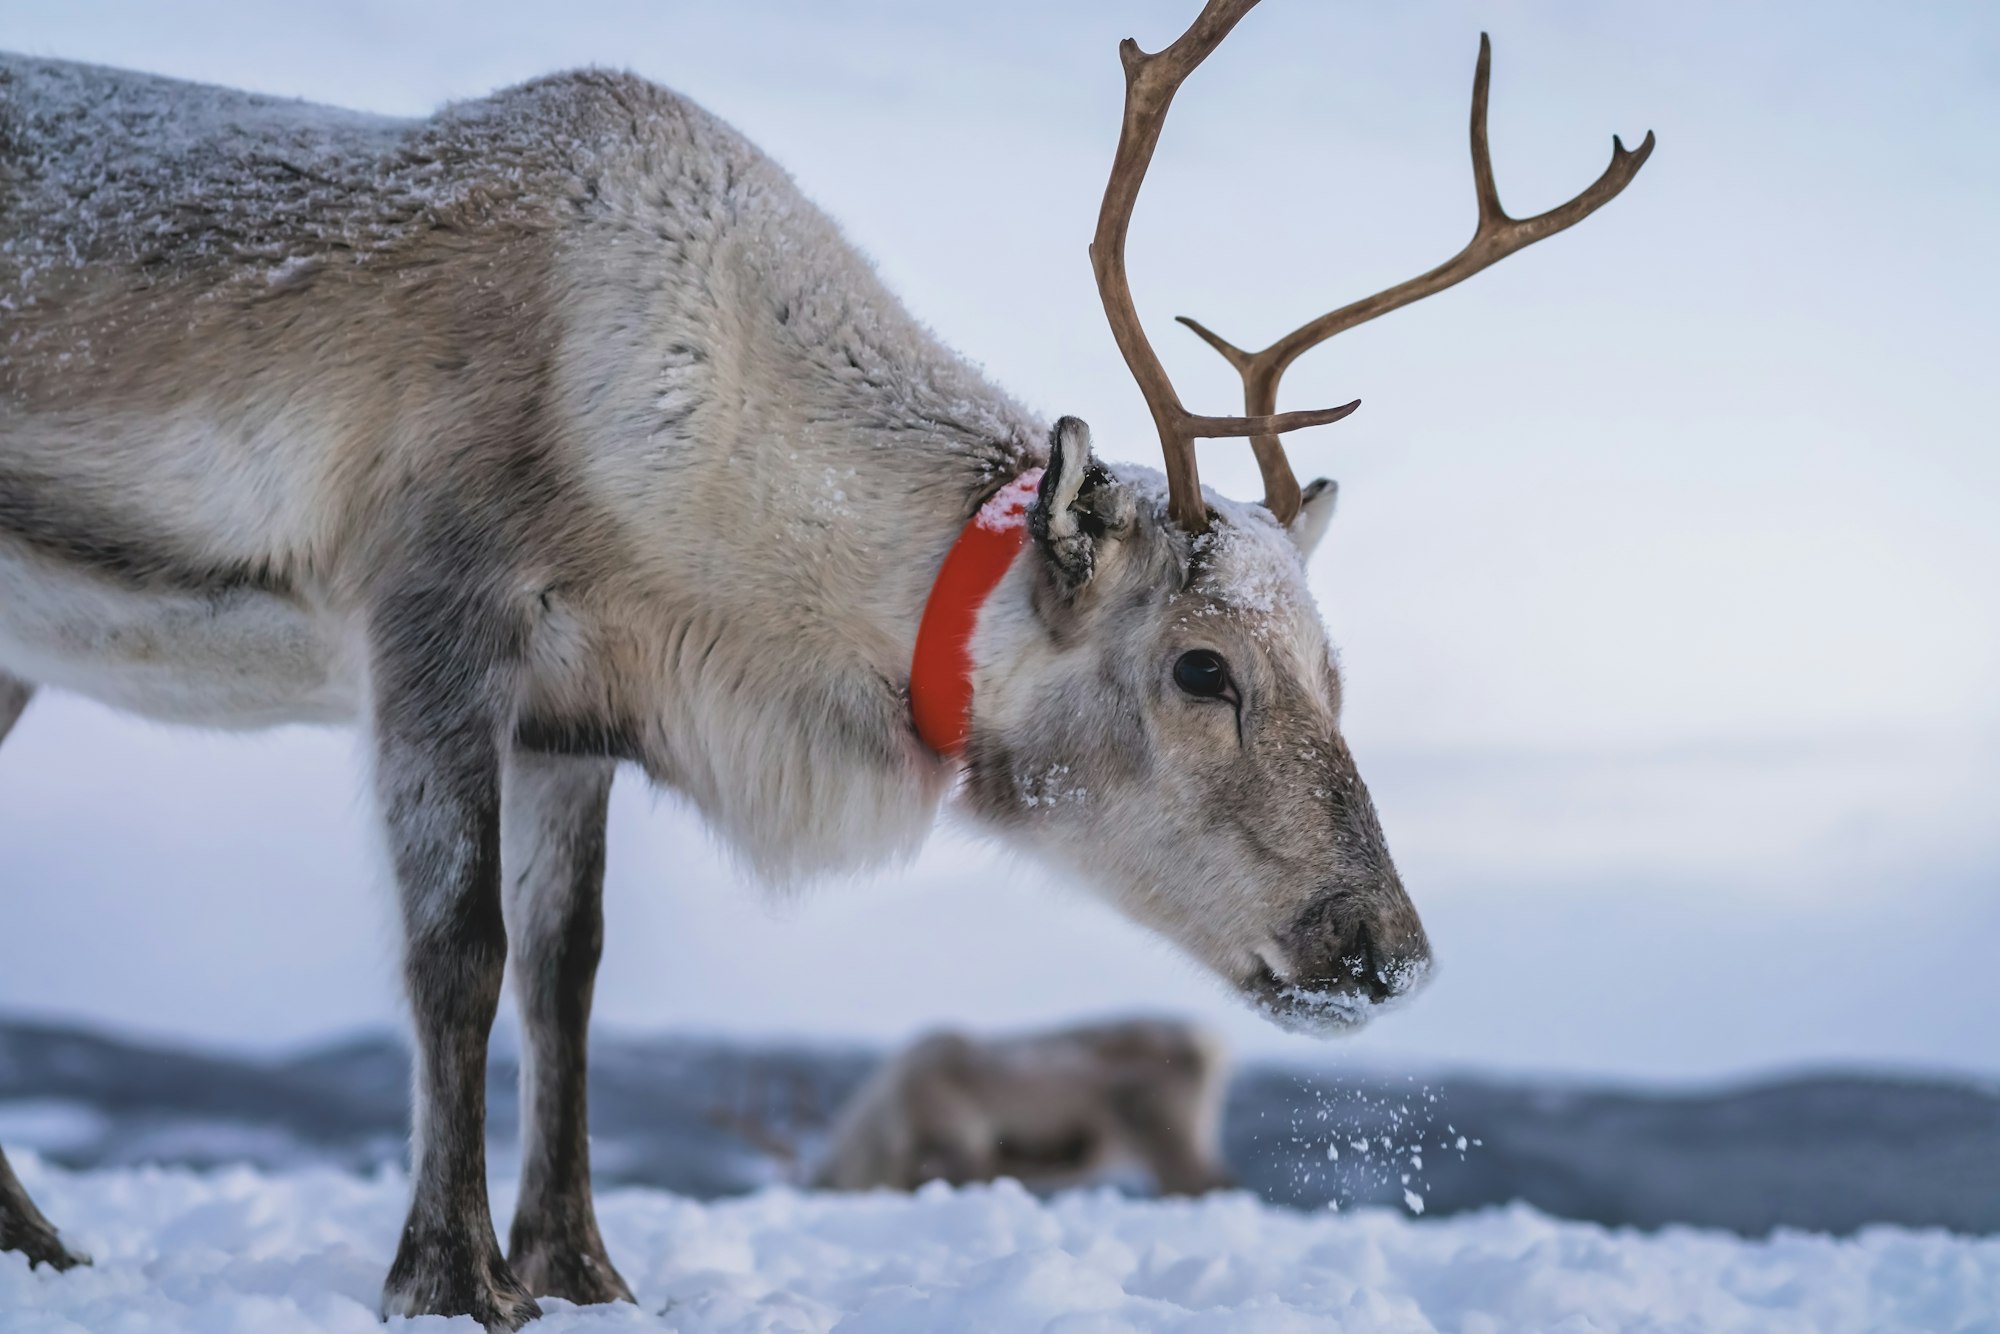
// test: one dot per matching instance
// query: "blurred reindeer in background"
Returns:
(1050, 1110)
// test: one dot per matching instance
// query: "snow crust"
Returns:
(237, 1251)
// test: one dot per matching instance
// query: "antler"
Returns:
(1497, 237)
(1150, 84)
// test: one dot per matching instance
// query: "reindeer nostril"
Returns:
(1365, 964)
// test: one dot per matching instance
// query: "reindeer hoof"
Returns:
(580, 1274)
(42, 1247)
(446, 1276)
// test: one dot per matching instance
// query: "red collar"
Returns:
(941, 668)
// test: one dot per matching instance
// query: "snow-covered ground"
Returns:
(237, 1250)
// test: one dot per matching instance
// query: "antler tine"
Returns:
(1150, 84)
(1260, 386)
(1496, 237)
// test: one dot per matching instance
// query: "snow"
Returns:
(1247, 562)
(239, 1250)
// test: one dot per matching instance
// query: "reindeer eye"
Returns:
(1202, 673)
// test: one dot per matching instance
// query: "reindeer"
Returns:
(557, 432)
(1048, 1109)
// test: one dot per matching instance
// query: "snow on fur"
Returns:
(237, 1250)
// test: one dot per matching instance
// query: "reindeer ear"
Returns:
(1078, 506)
(1315, 513)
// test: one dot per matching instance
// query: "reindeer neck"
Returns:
(787, 456)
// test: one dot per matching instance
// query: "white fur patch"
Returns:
(237, 659)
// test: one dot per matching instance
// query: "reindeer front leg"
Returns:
(22, 1227)
(553, 835)
(443, 696)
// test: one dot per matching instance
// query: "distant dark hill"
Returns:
(1827, 1152)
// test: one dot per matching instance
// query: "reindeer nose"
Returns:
(1383, 969)
(1368, 946)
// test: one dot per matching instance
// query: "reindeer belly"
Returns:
(224, 657)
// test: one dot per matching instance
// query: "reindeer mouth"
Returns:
(1322, 1007)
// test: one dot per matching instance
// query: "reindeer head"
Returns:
(1158, 705)
(1162, 713)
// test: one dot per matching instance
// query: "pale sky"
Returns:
(1663, 579)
